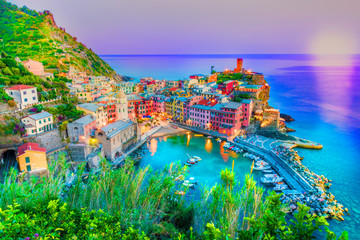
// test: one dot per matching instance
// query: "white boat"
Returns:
(280, 187)
(193, 181)
(261, 167)
(192, 161)
(187, 183)
(273, 175)
(268, 171)
(271, 180)
(196, 158)
(210, 137)
(263, 163)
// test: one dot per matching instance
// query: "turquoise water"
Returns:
(322, 93)
(165, 150)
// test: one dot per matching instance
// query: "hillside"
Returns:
(25, 34)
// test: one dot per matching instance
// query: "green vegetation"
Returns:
(131, 203)
(28, 34)
(240, 97)
(10, 126)
(17, 74)
(65, 111)
(223, 77)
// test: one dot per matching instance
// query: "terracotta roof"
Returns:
(20, 87)
(30, 146)
(207, 103)
(173, 89)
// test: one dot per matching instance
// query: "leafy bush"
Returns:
(11, 103)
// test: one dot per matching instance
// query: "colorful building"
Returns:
(23, 95)
(34, 67)
(38, 123)
(227, 87)
(79, 131)
(96, 110)
(31, 157)
(117, 138)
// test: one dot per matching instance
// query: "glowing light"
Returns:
(334, 42)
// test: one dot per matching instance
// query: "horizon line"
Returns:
(207, 54)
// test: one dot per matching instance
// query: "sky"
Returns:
(209, 26)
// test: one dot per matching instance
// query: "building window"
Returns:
(28, 168)
(11, 93)
(34, 98)
(49, 119)
(25, 99)
(33, 91)
(24, 92)
(27, 159)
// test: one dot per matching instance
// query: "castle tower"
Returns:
(239, 65)
(121, 106)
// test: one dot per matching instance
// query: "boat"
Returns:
(280, 187)
(187, 183)
(196, 158)
(265, 180)
(191, 161)
(262, 163)
(193, 181)
(210, 137)
(268, 171)
(273, 175)
(261, 167)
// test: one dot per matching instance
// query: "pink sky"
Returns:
(208, 26)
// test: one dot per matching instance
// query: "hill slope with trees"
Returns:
(25, 34)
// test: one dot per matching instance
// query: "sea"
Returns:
(321, 92)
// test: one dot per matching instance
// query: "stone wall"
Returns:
(50, 140)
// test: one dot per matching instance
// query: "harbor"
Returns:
(298, 183)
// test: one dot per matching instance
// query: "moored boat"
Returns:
(261, 167)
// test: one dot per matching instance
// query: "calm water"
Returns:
(322, 93)
(165, 150)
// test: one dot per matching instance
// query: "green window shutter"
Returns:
(27, 159)
(28, 168)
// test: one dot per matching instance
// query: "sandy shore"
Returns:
(167, 131)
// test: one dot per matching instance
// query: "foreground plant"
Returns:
(131, 203)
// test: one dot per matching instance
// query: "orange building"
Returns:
(31, 157)
(212, 78)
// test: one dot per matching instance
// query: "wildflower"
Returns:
(27, 238)
(36, 235)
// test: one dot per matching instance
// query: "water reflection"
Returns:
(208, 145)
(152, 146)
(188, 139)
(334, 87)
(223, 154)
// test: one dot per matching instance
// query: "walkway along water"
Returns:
(292, 177)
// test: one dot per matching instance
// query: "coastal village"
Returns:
(114, 118)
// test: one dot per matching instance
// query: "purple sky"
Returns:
(208, 26)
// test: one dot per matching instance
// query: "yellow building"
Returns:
(31, 157)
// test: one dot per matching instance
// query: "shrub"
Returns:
(11, 103)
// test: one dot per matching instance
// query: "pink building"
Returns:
(227, 87)
(225, 118)
(34, 67)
